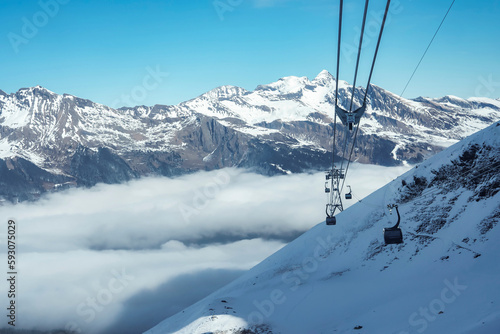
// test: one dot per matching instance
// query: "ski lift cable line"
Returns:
(427, 49)
(337, 80)
(333, 148)
(350, 155)
(338, 52)
(359, 54)
(334, 201)
(376, 49)
(346, 140)
(360, 46)
(454, 243)
(367, 86)
(349, 118)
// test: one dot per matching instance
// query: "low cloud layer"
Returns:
(125, 257)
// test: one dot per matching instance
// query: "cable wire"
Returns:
(427, 49)
(337, 82)
(359, 53)
(376, 49)
(367, 86)
(345, 149)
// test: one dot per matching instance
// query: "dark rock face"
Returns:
(21, 180)
(90, 168)
(477, 170)
(271, 159)
(376, 150)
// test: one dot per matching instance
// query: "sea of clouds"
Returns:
(121, 258)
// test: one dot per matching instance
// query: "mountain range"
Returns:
(50, 141)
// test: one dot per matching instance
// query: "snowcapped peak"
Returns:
(344, 84)
(323, 78)
(35, 91)
(485, 100)
(224, 92)
(291, 81)
(43, 90)
(286, 85)
(324, 75)
(453, 97)
(449, 98)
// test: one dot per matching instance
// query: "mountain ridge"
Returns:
(288, 122)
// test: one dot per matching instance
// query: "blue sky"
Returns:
(105, 50)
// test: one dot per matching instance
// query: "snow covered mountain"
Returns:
(444, 278)
(50, 141)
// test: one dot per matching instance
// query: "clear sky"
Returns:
(104, 50)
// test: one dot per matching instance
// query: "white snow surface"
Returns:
(343, 279)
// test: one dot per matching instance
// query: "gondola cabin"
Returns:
(349, 194)
(393, 236)
(331, 221)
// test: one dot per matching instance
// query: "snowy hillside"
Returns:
(444, 278)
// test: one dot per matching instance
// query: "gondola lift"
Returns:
(393, 235)
(350, 119)
(349, 194)
(331, 220)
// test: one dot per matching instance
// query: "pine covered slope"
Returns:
(445, 278)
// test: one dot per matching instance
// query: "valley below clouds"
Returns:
(121, 258)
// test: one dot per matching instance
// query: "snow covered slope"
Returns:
(445, 278)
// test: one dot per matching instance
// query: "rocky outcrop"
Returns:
(21, 180)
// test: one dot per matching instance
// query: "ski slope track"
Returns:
(279, 128)
(444, 278)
